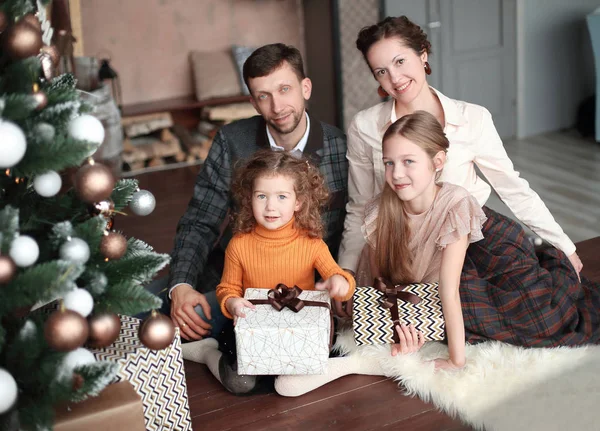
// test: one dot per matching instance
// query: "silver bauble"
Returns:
(76, 250)
(142, 203)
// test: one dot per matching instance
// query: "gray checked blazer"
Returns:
(198, 254)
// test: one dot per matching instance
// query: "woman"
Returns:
(396, 51)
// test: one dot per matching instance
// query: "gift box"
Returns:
(376, 310)
(157, 376)
(289, 332)
(117, 407)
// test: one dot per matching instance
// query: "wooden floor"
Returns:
(365, 402)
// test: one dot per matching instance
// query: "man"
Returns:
(279, 90)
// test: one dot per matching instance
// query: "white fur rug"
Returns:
(502, 387)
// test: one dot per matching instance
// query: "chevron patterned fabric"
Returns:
(372, 324)
(158, 376)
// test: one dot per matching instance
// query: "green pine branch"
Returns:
(95, 378)
(123, 192)
(128, 298)
(9, 227)
(17, 107)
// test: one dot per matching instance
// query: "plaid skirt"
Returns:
(510, 292)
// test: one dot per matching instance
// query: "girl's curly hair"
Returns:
(309, 186)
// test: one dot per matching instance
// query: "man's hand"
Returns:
(576, 262)
(336, 285)
(411, 340)
(236, 306)
(183, 300)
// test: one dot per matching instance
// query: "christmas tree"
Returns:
(56, 237)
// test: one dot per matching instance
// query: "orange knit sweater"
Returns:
(264, 258)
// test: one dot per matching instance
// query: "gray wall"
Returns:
(555, 69)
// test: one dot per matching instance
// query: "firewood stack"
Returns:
(149, 142)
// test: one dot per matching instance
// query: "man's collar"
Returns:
(314, 143)
(300, 146)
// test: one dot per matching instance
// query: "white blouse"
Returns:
(473, 141)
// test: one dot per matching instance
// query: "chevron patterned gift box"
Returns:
(373, 316)
(156, 375)
(278, 342)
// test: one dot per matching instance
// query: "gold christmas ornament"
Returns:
(40, 98)
(22, 40)
(104, 329)
(156, 331)
(113, 245)
(47, 67)
(66, 330)
(8, 269)
(94, 182)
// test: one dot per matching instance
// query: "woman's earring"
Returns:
(382, 93)
(427, 68)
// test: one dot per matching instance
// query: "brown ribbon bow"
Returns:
(392, 293)
(283, 296)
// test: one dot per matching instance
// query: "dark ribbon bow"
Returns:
(392, 293)
(283, 296)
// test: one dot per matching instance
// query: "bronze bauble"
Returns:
(104, 329)
(65, 330)
(32, 20)
(156, 331)
(105, 208)
(41, 99)
(113, 246)
(22, 40)
(3, 21)
(8, 269)
(94, 183)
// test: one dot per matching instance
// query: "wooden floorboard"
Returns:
(364, 402)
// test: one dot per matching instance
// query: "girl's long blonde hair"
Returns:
(392, 254)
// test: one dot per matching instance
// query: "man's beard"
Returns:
(296, 120)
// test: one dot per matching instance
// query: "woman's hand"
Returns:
(236, 306)
(411, 340)
(576, 262)
(446, 364)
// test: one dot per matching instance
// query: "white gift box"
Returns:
(284, 342)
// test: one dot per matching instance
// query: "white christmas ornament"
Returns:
(12, 144)
(8, 391)
(77, 358)
(80, 301)
(75, 250)
(87, 128)
(45, 131)
(47, 184)
(24, 251)
(142, 203)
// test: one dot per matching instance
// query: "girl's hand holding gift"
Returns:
(236, 306)
(336, 285)
(411, 340)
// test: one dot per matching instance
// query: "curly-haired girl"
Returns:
(277, 239)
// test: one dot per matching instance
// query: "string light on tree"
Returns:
(8, 391)
(41, 100)
(24, 251)
(142, 203)
(12, 145)
(65, 330)
(75, 250)
(80, 301)
(94, 182)
(47, 184)
(113, 245)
